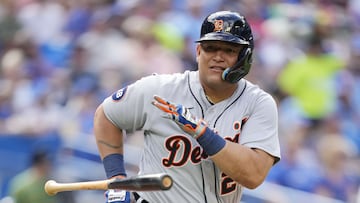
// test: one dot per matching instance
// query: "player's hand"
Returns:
(117, 196)
(182, 116)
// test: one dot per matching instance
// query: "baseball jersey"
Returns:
(248, 117)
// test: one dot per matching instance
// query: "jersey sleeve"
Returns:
(126, 107)
(261, 129)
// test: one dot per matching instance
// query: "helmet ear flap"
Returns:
(241, 68)
(247, 59)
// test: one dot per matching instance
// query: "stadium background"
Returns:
(60, 58)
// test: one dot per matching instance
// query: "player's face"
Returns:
(213, 58)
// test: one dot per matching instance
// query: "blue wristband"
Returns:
(114, 165)
(211, 142)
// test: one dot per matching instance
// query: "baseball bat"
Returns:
(149, 182)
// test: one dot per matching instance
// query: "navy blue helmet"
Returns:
(230, 27)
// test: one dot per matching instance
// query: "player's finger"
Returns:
(163, 101)
(165, 108)
(160, 100)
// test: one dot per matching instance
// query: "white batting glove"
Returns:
(117, 196)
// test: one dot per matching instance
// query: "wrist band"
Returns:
(211, 142)
(114, 165)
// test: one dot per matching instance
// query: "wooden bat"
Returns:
(149, 182)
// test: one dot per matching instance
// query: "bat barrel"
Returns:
(150, 182)
(166, 181)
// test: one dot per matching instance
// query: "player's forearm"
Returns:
(246, 166)
(109, 138)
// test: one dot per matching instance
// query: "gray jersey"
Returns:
(248, 117)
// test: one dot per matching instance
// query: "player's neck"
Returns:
(217, 95)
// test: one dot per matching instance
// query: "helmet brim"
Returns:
(222, 36)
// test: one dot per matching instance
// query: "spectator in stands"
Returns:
(336, 180)
(28, 186)
(308, 80)
(348, 92)
(95, 44)
(298, 169)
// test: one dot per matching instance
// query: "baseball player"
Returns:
(211, 130)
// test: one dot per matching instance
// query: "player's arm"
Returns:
(247, 166)
(244, 165)
(109, 140)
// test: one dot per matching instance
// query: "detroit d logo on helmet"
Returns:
(219, 24)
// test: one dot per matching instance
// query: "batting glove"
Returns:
(117, 196)
(182, 116)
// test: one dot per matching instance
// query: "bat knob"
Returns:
(49, 187)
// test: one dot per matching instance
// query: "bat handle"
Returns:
(52, 187)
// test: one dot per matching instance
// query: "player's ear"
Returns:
(198, 50)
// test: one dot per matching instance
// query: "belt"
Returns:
(138, 199)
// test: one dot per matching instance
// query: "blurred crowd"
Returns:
(60, 58)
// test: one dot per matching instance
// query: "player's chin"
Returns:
(215, 79)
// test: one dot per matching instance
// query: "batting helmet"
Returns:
(230, 27)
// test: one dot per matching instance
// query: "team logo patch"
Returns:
(218, 25)
(119, 94)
